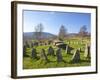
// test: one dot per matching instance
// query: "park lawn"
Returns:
(29, 63)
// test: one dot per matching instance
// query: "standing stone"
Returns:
(44, 56)
(34, 53)
(45, 43)
(79, 49)
(59, 55)
(32, 44)
(51, 51)
(24, 50)
(39, 44)
(27, 44)
(68, 49)
(87, 51)
(36, 43)
(49, 42)
(76, 57)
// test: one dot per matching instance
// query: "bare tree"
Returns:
(62, 32)
(83, 31)
(38, 31)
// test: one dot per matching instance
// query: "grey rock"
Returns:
(59, 55)
(44, 56)
(87, 51)
(34, 53)
(51, 51)
(76, 57)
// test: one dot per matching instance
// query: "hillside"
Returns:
(31, 35)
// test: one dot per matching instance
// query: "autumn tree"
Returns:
(62, 32)
(83, 31)
(38, 31)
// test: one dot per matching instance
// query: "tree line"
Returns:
(63, 32)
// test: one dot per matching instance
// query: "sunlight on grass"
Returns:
(29, 63)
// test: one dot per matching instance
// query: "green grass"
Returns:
(29, 63)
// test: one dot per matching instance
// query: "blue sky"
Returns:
(52, 21)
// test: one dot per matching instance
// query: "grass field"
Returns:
(29, 63)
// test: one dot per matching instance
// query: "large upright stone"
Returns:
(24, 50)
(44, 56)
(76, 57)
(87, 51)
(27, 44)
(32, 44)
(59, 55)
(49, 42)
(68, 50)
(34, 53)
(51, 51)
(36, 43)
(79, 49)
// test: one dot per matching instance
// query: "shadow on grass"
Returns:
(26, 55)
(57, 61)
(81, 61)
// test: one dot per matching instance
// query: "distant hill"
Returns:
(72, 34)
(31, 35)
(45, 35)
